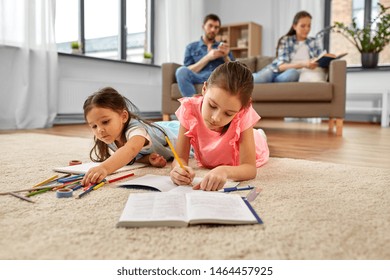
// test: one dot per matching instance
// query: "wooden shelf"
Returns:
(244, 39)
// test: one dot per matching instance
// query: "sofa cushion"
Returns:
(262, 61)
(256, 63)
(317, 74)
(292, 92)
(280, 92)
(250, 62)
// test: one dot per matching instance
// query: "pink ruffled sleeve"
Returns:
(189, 112)
(182, 112)
(248, 119)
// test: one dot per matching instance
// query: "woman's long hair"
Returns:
(297, 17)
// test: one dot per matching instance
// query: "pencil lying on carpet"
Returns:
(91, 188)
(22, 197)
(120, 178)
(39, 191)
(30, 189)
(44, 182)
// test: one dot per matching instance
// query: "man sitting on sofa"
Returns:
(202, 57)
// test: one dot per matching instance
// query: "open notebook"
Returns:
(172, 209)
(83, 168)
(162, 183)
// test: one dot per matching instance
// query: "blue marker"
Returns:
(233, 189)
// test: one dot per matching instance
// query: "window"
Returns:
(105, 28)
(66, 24)
(344, 11)
(101, 28)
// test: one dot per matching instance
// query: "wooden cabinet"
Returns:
(244, 39)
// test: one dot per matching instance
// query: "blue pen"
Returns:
(233, 189)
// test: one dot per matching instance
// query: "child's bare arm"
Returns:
(119, 159)
(216, 178)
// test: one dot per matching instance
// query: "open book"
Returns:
(83, 168)
(162, 183)
(173, 209)
(325, 58)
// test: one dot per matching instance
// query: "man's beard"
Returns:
(210, 36)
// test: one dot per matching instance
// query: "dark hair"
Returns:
(235, 78)
(109, 98)
(213, 17)
(297, 17)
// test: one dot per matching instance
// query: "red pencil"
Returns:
(120, 178)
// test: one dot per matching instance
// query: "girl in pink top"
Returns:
(219, 126)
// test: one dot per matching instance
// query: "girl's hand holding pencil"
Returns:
(182, 176)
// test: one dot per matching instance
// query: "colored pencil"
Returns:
(71, 178)
(86, 192)
(22, 197)
(174, 152)
(38, 192)
(64, 176)
(67, 185)
(30, 189)
(98, 185)
(120, 178)
(79, 186)
(48, 180)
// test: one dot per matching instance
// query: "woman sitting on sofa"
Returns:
(294, 51)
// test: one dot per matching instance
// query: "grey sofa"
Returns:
(299, 99)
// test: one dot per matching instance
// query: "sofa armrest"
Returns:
(168, 78)
(338, 79)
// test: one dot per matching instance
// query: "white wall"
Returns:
(365, 95)
(177, 22)
(80, 76)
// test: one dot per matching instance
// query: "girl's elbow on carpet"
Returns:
(249, 173)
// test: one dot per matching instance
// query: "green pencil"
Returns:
(38, 192)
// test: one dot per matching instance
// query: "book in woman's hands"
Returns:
(172, 209)
(325, 58)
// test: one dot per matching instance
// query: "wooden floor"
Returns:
(362, 144)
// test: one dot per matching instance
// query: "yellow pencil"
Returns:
(98, 185)
(174, 152)
(46, 181)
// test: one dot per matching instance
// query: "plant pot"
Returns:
(369, 60)
(76, 51)
(147, 60)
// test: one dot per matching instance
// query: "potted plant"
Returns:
(75, 47)
(369, 40)
(148, 57)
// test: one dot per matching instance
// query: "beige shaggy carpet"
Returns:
(310, 210)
